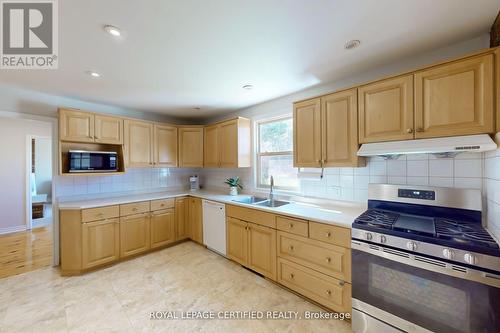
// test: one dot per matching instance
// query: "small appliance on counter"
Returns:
(82, 161)
(422, 262)
(194, 183)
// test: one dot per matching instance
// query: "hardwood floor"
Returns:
(25, 251)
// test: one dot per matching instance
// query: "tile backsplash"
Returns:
(492, 191)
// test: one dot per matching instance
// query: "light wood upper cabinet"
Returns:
(497, 90)
(228, 144)
(339, 130)
(135, 234)
(237, 240)
(108, 129)
(455, 98)
(181, 218)
(262, 250)
(196, 220)
(100, 242)
(162, 227)
(76, 126)
(307, 133)
(138, 143)
(191, 147)
(386, 110)
(165, 146)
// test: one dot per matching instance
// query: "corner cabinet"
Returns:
(191, 147)
(228, 144)
(455, 98)
(326, 131)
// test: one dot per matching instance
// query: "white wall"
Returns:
(43, 165)
(13, 154)
(492, 191)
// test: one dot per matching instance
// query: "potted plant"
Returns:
(233, 183)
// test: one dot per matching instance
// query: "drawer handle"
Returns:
(291, 225)
(328, 292)
(162, 205)
(328, 259)
(328, 234)
(292, 276)
(341, 283)
(291, 247)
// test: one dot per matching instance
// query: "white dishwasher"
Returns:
(214, 226)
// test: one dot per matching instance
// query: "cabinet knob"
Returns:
(420, 129)
(328, 259)
(291, 225)
(328, 234)
(409, 130)
(341, 283)
(291, 247)
(292, 276)
(328, 292)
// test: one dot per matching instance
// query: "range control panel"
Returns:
(416, 194)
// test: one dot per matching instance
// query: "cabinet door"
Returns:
(211, 144)
(165, 146)
(100, 242)
(191, 147)
(386, 110)
(76, 126)
(108, 130)
(228, 144)
(195, 220)
(339, 122)
(162, 227)
(138, 143)
(182, 218)
(134, 234)
(307, 133)
(455, 98)
(262, 250)
(237, 240)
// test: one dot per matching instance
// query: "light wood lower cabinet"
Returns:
(135, 234)
(262, 250)
(181, 218)
(237, 240)
(195, 220)
(333, 293)
(100, 242)
(162, 227)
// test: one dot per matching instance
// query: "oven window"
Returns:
(435, 301)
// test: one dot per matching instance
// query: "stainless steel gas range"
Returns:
(422, 262)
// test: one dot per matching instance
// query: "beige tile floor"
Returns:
(185, 277)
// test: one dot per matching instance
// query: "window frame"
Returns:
(259, 155)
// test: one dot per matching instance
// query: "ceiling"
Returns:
(178, 55)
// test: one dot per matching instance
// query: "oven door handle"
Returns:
(429, 264)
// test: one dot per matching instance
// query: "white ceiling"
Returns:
(182, 54)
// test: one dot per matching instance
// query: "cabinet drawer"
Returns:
(323, 289)
(294, 226)
(252, 215)
(100, 213)
(134, 208)
(328, 259)
(330, 234)
(162, 204)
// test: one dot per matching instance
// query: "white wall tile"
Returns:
(332, 180)
(441, 168)
(468, 167)
(378, 168)
(396, 168)
(474, 183)
(396, 180)
(417, 157)
(418, 168)
(441, 181)
(361, 182)
(378, 179)
(417, 181)
(492, 167)
(346, 181)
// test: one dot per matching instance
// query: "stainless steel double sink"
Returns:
(259, 201)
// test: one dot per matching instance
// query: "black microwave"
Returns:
(92, 161)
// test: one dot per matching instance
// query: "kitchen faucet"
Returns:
(271, 190)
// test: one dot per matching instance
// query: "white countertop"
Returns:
(335, 212)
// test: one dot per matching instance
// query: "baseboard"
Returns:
(9, 230)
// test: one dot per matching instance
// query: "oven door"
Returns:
(412, 293)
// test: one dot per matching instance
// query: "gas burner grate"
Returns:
(464, 232)
(378, 218)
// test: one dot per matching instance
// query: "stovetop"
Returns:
(443, 228)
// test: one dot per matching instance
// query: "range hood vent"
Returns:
(441, 146)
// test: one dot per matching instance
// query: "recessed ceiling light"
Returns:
(112, 30)
(352, 44)
(248, 87)
(93, 74)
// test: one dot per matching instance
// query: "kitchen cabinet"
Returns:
(108, 129)
(262, 250)
(307, 133)
(165, 146)
(135, 234)
(196, 220)
(237, 240)
(386, 111)
(181, 218)
(228, 144)
(191, 147)
(100, 242)
(138, 143)
(76, 126)
(162, 227)
(455, 98)
(497, 90)
(326, 131)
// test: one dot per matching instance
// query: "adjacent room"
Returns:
(250, 166)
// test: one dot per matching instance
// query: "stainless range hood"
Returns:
(441, 146)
